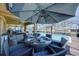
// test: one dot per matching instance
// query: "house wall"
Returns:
(2, 25)
(2, 6)
(2, 20)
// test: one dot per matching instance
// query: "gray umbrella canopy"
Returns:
(26, 10)
(44, 13)
(53, 13)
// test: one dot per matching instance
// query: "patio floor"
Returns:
(74, 47)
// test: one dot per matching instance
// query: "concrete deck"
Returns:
(74, 47)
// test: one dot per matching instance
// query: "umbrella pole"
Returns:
(78, 29)
(34, 29)
(24, 27)
(15, 27)
(46, 29)
(51, 29)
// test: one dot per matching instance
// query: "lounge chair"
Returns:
(51, 51)
(17, 50)
(20, 37)
(59, 51)
(63, 43)
(45, 52)
(49, 35)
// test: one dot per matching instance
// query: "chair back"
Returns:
(63, 42)
(49, 35)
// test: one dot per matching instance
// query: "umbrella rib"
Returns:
(60, 13)
(52, 18)
(24, 11)
(72, 14)
(38, 19)
(31, 16)
(50, 5)
(38, 6)
(32, 10)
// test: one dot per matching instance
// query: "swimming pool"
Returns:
(57, 37)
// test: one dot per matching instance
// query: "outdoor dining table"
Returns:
(35, 43)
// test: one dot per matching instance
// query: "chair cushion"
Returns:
(14, 48)
(19, 37)
(42, 53)
(20, 51)
(61, 53)
(63, 41)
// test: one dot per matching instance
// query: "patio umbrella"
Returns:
(45, 13)
(54, 13)
(24, 11)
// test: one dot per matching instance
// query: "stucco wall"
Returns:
(2, 25)
(2, 6)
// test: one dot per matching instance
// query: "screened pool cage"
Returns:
(59, 28)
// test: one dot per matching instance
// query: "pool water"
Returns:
(57, 37)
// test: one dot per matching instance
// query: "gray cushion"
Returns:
(19, 37)
(42, 53)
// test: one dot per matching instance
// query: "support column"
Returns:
(2, 25)
(25, 27)
(34, 28)
(51, 28)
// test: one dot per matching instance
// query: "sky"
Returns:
(74, 20)
(77, 11)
